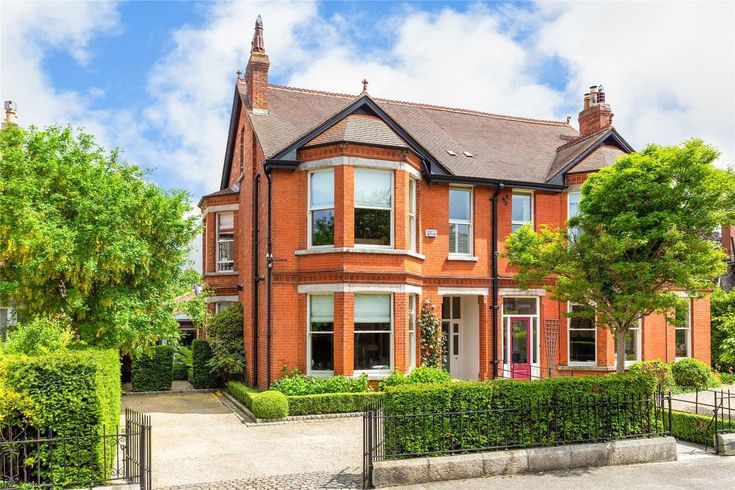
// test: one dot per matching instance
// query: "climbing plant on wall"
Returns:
(432, 341)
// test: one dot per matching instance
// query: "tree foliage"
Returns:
(723, 329)
(225, 338)
(432, 341)
(84, 236)
(645, 229)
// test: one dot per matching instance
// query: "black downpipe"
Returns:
(256, 275)
(496, 277)
(269, 259)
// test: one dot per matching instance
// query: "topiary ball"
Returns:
(270, 405)
(690, 373)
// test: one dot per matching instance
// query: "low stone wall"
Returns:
(533, 460)
(726, 443)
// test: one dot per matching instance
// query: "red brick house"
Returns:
(337, 215)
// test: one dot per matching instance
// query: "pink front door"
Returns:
(520, 345)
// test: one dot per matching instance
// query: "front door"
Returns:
(520, 334)
(451, 332)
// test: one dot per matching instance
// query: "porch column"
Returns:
(485, 338)
(344, 333)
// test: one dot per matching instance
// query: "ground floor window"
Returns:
(320, 343)
(682, 326)
(632, 344)
(223, 305)
(582, 337)
(412, 305)
(373, 332)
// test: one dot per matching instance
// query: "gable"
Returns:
(361, 129)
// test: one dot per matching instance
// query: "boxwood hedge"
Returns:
(331, 403)
(201, 375)
(153, 370)
(75, 392)
(515, 413)
(695, 428)
(242, 393)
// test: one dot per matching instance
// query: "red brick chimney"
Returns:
(256, 73)
(596, 114)
(727, 239)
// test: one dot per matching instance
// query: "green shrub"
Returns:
(270, 405)
(298, 384)
(182, 363)
(422, 374)
(225, 339)
(714, 380)
(727, 378)
(511, 412)
(690, 373)
(74, 392)
(153, 370)
(331, 402)
(202, 375)
(694, 428)
(659, 370)
(242, 393)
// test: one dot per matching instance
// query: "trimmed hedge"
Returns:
(153, 370)
(75, 392)
(691, 373)
(202, 376)
(298, 384)
(331, 403)
(421, 374)
(270, 405)
(520, 413)
(693, 428)
(242, 393)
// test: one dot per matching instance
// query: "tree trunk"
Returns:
(620, 354)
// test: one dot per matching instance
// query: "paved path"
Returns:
(196, 439)
(705, 398)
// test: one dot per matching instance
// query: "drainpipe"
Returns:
(269, 260)
(496, 277)
(256, 275)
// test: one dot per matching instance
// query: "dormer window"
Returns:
(373, 207)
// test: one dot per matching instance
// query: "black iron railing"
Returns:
(49, 460)
(532, 424)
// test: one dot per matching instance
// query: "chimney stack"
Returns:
(256, 73)
(10, 113)
(596, 114)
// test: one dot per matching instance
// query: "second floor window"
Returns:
(321, 208)
(573, 199)
(412, 215)
(225, 242)
(373, 207)
(522, 210)
(460, 221)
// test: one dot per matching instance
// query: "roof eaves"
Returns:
(234, 117)
(460, 179)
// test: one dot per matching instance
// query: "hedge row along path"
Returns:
(197, 440)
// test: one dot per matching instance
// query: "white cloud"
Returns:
(668, 68)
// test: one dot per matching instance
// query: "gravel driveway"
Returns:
(197, 439)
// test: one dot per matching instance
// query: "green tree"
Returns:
(225, 338)
(645, 229)
(723, 329)
(84, 236)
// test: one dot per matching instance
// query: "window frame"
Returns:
(638, 344)
(570, 305)
(310, 209)
(317, 372)
(535, 326)
(218, 262)
(392, 207)
(530, 196)
(375, 372)
(688, 329)
(471, 239)
(571, 231)
(413, 305)
(412, 214)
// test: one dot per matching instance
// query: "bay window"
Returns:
(412, 215)
(682, 326)
(321, 208)
(460, 221)
(582, 337)
(522, 210)
(225, 242)
(373, 332)
(373, 207)
(320, 342)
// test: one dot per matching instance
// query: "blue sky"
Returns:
(156, 78)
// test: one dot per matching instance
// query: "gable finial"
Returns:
(258, 44)
(364, 85)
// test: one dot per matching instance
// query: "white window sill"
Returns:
(373, 375)
(359, 250)
(463, 258)
(573, 364)
(221, 273)
(320, 374)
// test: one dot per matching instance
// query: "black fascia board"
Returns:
(234, 117)
(458, 179)
(273, 164)
(289, 153)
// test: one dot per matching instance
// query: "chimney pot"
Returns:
(596, 114)
(10, 112)
(256, 73)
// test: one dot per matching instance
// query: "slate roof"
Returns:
(501, 147)
(360, 128)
